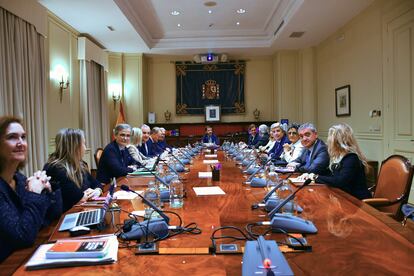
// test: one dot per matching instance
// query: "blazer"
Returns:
(163, 145)
(349, 176)
(23, 213)
(277, 148)
(71, 193)
(144, 150)
(113, 163)
(252, 140)
(214, 139)
(263, 140)
(319, 160)
(137, 155)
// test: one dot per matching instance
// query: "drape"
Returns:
(94, 106)
(23, 83)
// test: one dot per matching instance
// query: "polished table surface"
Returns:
(353, 238)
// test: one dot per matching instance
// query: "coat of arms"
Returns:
(211, 90)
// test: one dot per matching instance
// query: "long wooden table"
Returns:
(353, 238)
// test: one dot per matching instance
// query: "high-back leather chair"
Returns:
(393, 185)
(97, 155)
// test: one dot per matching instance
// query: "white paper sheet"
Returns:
(214, 161)
(213, 190)
(126, 195)
(210, 156)
(204, 174)
(139, 213)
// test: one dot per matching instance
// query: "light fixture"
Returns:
(241, 11)
(210, 11)
(175, 13)
(178, 25)
(116, 90)
(62, 77)
(237, 23)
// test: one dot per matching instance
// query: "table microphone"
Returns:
(158, 227)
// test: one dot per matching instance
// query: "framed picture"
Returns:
(212, 113)
(343, 101)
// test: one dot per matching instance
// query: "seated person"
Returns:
(26, 204)
(66, 167)
(270, 143)
(293, 150)
(210, 137)
(347, 165)
(253, 136)
(162, 143)
(144, 148)
(136, 142)
(116, 160)
(263, 136)
(280, 138)
(155, 136)
(315, 158)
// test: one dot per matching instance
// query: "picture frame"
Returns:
(343, 101)
(212, 113)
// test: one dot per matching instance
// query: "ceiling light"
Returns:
(178, 25)
(210, 11)
(237, 23)
(175, 13)
(241, 11)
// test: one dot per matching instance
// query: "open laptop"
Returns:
(90, 217)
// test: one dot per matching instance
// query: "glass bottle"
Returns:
(176, 193)
(283, 192)
(152, 194)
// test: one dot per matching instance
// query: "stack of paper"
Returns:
(210, 161)
(213, 190)
(204, 174)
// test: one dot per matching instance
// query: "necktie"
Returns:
(308, 158)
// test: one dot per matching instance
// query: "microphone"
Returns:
(289, 198)
(151, 171)
(258, 169)
(179, 161)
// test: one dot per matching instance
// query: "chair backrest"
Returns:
(394, 183)
(97, 155)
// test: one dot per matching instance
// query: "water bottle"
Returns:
(176, 193)
(283, 192)
(272, 181)
(152, 194)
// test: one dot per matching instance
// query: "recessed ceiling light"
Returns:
(175, 13)
(178, 25)
(241, 11)
(237, 23)
(210, 11)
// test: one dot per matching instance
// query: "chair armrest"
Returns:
(377, 202)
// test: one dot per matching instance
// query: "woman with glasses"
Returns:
(293, 150)
(26, 203)
(69, 171)
(116, 160)
(347, 163)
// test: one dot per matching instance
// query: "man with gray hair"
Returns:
(116, 160)
(144, 148)
(155, 136)
(162, 143)
(315, 157)
(263, 136)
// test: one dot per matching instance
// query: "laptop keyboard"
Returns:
(90, 217)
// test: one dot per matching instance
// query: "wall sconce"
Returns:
(60, 74)
(256, 114)
(116, 93)
(167, 115)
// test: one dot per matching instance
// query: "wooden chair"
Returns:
(97, 155)
(393, 186)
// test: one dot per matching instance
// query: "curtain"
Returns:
(94, 106)
(23, 83)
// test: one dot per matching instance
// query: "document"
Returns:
(213, 190)
(126, 195)
(210, 155)
(213, 161)
(204, 174)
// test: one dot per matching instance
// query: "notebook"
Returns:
(90, 217)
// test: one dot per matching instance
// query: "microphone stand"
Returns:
(258, 169)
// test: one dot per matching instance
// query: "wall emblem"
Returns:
(211, 90)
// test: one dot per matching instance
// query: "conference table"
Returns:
(353, 238)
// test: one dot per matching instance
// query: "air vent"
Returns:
(279, 27)
(296, 34)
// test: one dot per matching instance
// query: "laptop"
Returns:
(90, 217)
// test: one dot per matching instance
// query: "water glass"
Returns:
(176, 194)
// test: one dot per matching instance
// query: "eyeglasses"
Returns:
(123, 135)
(292, 133)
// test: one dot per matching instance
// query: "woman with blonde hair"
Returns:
(136, 141)
(66, 167)
(347, 164)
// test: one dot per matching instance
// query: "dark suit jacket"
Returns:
(153, 150)
(146, 152)
(319, 160)
(252, 141)
(348, 175)
(113, 164)
(277, 149)
(214, 139)
(71, 193)
(263, 140)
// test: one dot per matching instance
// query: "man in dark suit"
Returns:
(263, 136)
(253, 136)
(315, 157)
(162, 143)
(146, 149)
(152, 143)
(116, 160)
(210, 137)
